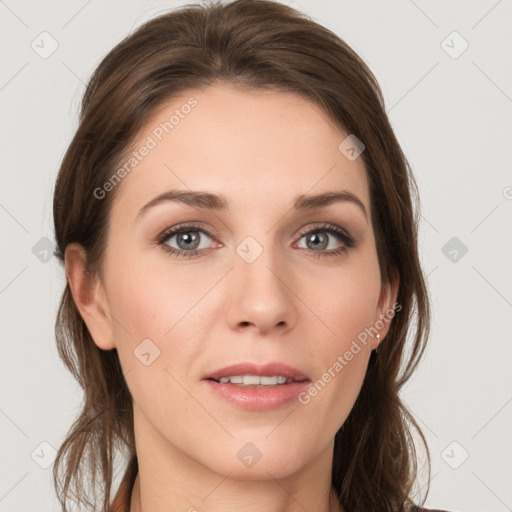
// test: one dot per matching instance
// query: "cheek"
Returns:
(346, 303)
(156, 335)
(150, 301)
(350, 317)
(345, 298)
(160, 325)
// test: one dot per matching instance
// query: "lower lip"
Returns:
(258, 398)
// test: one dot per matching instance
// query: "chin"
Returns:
(259, 458)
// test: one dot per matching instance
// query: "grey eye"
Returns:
(189, 240)
(320, 240)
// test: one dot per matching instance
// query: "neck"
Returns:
(274, 502)
(170, 481)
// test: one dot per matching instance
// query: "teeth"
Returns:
(255, 380)
(251, 380)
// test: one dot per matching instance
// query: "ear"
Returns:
(386, 306)
(89, 296)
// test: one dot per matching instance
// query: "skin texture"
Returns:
(293, 304)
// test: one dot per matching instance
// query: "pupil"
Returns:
(190, 240)
(318, 241)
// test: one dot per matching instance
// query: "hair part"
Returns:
(254, 45)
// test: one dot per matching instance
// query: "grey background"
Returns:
(453, 119)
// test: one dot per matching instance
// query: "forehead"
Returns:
(259, 148)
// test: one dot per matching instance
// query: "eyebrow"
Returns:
(207, 200)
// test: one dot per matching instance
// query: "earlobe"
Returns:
(89, 297)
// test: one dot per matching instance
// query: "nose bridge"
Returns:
(258, 291)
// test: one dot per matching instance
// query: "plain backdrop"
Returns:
(446, 74)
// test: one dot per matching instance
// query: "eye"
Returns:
(190, 240)
(326, 240)
(185, 240)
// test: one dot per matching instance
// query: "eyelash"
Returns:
(347, 240)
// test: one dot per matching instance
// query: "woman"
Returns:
(236, 222)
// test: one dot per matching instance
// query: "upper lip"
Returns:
(263, 370)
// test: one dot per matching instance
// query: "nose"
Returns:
(260, 296)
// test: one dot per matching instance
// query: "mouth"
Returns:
(255, 380)
(257, 386)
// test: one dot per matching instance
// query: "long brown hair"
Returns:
(253, 44)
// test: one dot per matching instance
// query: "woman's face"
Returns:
(262, 276)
